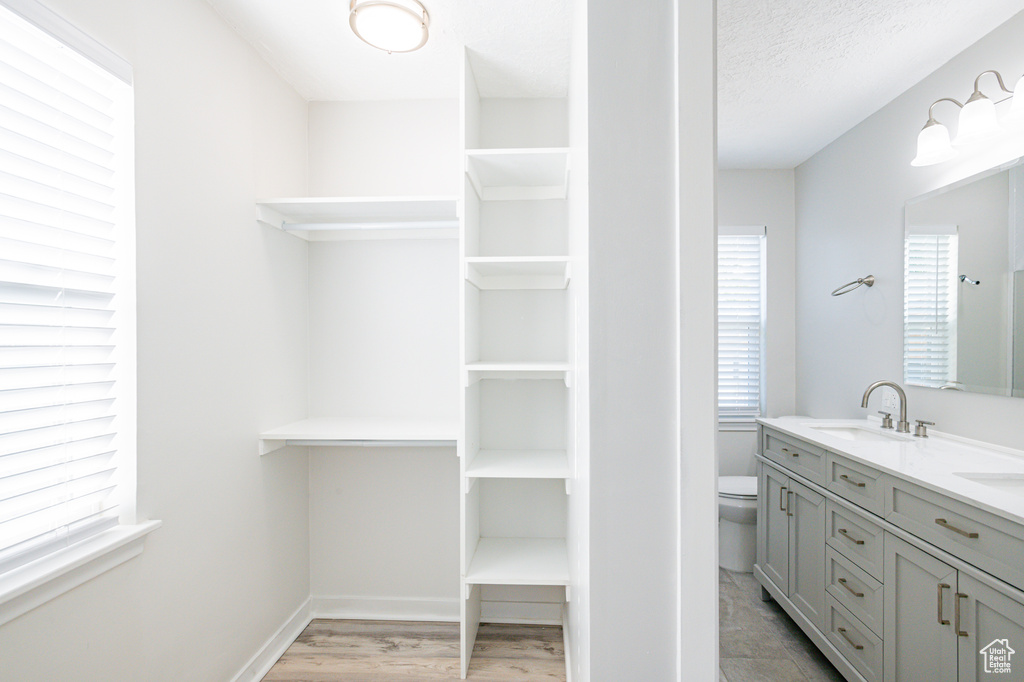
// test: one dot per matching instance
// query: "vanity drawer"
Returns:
(985, 540)
(856, 482)
(853, 588)
(861, 647)
(799, 457)
(854, 536)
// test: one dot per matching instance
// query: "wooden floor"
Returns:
(390, 651)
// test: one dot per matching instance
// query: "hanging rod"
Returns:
(850, 286)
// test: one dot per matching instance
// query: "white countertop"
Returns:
(931, 462)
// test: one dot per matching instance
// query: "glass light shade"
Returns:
(933, 145)
(1016, 112)
(389, 25)
(977, 121)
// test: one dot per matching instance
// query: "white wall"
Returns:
(384, 343)
(765, 197)
(221, 356)
(652, 464)
(850, 210)
(391, 148)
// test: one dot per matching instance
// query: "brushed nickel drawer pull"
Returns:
(789, 504)
(851, 481)
(945, 524)
(782, 493)
(842, 581)
(856, 646)
(942, 621)
(789, 452)
(844, 533)
(956, 614)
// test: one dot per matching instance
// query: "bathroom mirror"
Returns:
(964, 285)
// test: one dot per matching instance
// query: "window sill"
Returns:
(738, 425)
(36, 583)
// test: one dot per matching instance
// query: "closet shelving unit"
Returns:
(325, 432)
(333, 218)
(516, 332)
(346, 218)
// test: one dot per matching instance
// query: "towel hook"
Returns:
(850, 286)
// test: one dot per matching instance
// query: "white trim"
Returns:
(36, 583)
(521, 613)
(264, 659)
(61, 29)
(567, 643)
(742, 230)
(748, 424)
(386, 608)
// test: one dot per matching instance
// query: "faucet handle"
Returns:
(886, 419)
(921, 430)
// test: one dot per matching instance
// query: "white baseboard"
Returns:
(264, 659)
(521, 613)
(386, 608)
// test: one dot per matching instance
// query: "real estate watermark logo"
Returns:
(997, 657)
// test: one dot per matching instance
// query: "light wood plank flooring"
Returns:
(379, 651)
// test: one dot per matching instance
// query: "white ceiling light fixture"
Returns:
(978, 124)
(978, 121)
(933, 145)
(390, 25)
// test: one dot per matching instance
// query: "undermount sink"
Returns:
(1009, 483)
(856, 433)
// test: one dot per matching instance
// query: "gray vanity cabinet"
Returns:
(991, 624)
(792, 541)
(920, 643)
(892, 581)
(945, 624)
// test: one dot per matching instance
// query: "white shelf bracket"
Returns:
(568, 487)
(567, 379)
(568, 591)
(468, 487)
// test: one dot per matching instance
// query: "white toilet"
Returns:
(737, 522)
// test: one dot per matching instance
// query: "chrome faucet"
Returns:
(902, 426)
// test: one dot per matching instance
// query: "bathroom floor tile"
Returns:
(759, 641)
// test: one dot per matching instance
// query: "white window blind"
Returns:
(66, 307)
(929, 324)
(741, 316)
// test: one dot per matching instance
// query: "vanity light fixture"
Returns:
(978, 123)
(390, 25)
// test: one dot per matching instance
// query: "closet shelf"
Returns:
(518, 272)
(519, 464)
(519, 561)
(476, 371)
(518, 174)
(328, 219)
(361, 432)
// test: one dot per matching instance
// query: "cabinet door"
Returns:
(917, 613)
(773, 527)
(807, 552)
(991, 629)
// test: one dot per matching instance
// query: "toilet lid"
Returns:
(737, 486)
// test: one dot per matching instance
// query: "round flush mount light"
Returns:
(390, 25)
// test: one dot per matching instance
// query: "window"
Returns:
(67, 298)
(930, 297)
(741, 318)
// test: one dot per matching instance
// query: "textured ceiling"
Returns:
(794, 75)
(520, 48)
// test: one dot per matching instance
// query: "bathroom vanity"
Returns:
(902, 558)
